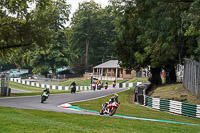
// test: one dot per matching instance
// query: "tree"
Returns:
(20, 26)
(191, 29)
(150, 33)
(84, 23)
(57, 52)
(92, 34)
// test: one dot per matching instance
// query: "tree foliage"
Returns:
(56, 53)
(152, 33)
(20, 25)
(93, 33)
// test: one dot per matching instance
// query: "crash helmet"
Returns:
(112, 97)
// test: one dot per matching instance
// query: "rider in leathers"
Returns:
(47, 92)
(112, 99)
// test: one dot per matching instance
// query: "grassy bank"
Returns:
(129, 109)
(137, 80)
(21, 120)
(175, 92)
(32, 90)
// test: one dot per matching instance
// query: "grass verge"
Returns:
(32, 90)
(127, 108)
(175, 92)
(22, 120)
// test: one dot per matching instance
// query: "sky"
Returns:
(74, 4)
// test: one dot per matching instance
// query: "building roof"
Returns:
(109, 64)
(60, 69)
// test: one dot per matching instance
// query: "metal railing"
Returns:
(191, 79)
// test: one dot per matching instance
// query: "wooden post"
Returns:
(116, 74)
(107, 73)
(111, 73)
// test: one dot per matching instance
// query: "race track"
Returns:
(54, 100)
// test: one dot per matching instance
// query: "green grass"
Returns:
(142, 80)
(137, 80)
(32, 90)
(175, 92)
(79, 82)
(129, 109)
(83, 82)
(22, 120)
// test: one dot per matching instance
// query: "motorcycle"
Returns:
(110, 109)
(99, 86)
(73, 89)
(93, 86)
(106, 86)
(44, 96)
(114, 84)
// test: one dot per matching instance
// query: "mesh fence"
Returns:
(191, 79)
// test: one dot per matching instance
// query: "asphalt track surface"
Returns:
(17, 91)
(54, 100)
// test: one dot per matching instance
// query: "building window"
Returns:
(128, 71)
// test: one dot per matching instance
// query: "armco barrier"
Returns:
(18, 80)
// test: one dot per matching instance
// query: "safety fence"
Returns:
(191, 79)
(176, 107)
(18, 80)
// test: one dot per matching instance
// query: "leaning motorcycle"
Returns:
(44, 96)
(110, 109)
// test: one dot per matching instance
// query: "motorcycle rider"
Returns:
(111, 100)
(114, 83)
(93, 86)
(46, 90)
(106, 85)
(74, 85)
(114, 99)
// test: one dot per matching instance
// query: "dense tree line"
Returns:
(138, 33)
(158, 33)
